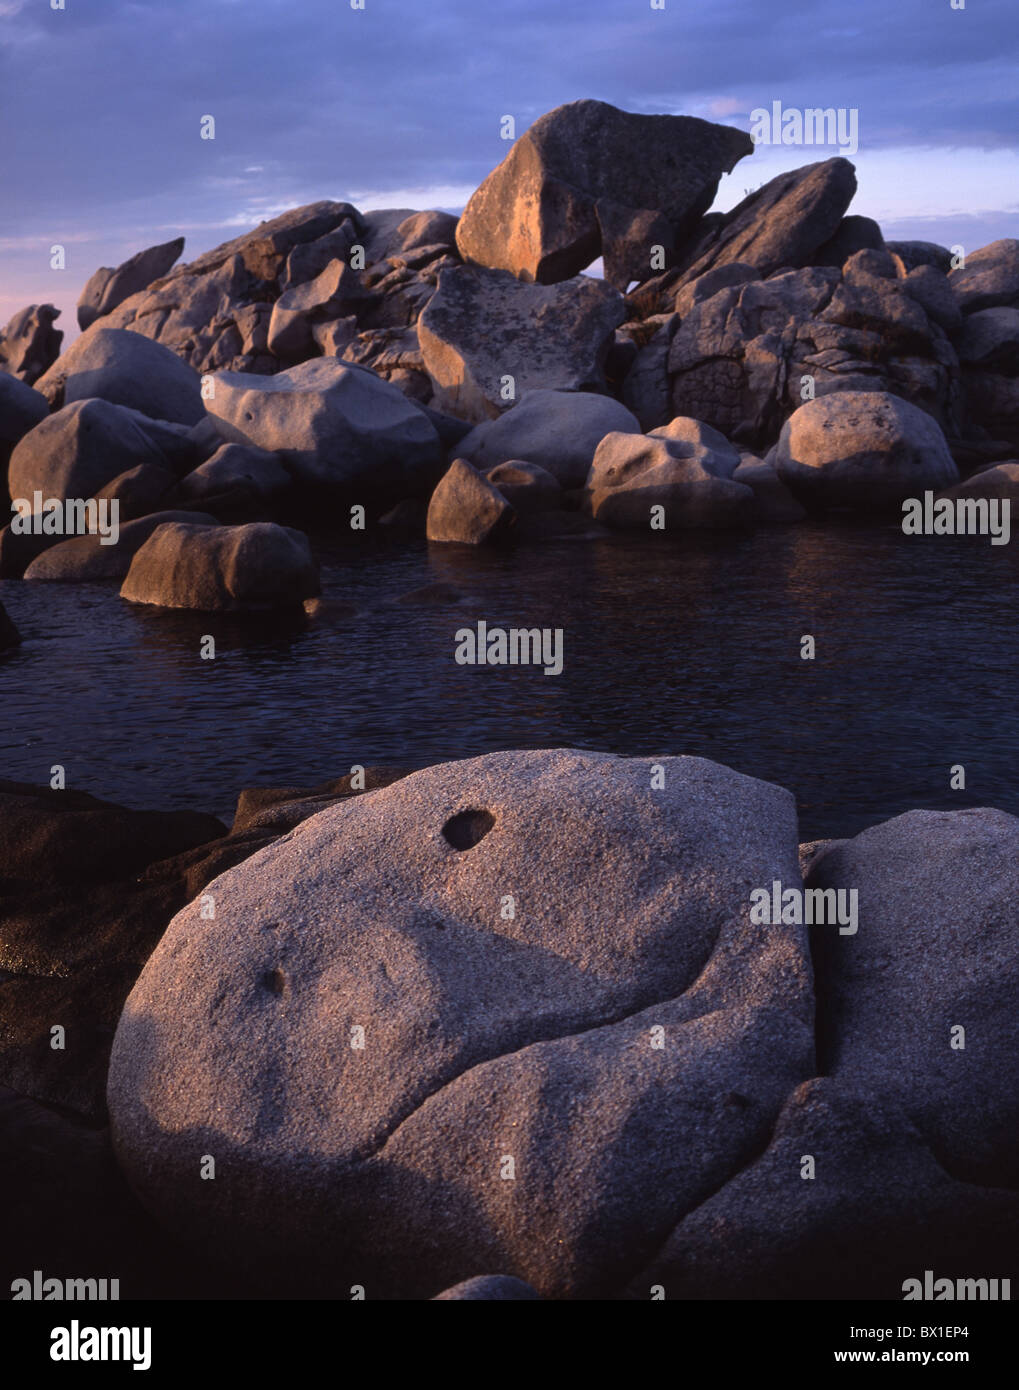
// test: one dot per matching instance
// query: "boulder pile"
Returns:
(335, 363)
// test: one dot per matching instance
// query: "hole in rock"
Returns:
(274, 980)
(466, 828)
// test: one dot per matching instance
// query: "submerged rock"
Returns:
(222, 568)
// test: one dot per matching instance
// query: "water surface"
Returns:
(670, 647)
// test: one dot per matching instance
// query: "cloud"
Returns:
(401, 104)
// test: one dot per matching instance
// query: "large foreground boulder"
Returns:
(88, 889)
(333, 424)
(677, 478)
(919, 1006)
(107, 288)
(557, 430)
(126, 369)
(588, 179)
(487, 339)
(863, 450)
(508, 1014)
(222, 568)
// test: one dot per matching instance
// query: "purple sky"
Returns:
(400, 105)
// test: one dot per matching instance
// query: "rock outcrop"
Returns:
(108, 288)
(436, 1040)
(487, 339)
(586, 180)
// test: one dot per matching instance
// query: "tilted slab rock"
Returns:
(545, 1084)
(108, 288)
(784, 223)
(587, 178)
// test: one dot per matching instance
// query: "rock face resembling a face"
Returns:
(509, 1013)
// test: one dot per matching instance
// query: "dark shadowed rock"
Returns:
(935, 952)
(784, 223)
(222, 568)
(527, 487)
(1001, 480)
(993, 402)
(126, 369)
(708, 284)
(621, 1075)
(489, 1288)
(917, 253)
(773, 502)
(426, 229)
(482, 327)
(79, 450)
(107, 288)
(877, 1211)
(864, 450)
(139, 491)
(558, 430)
(581, 176)
(467, 509)
(333, 425)
(87, 558)
(989, 279)
(337, 291)
(21, 409)
(281, 808)
(234, 465)
(990, 340)
(29, 343)
(930, 288)
(853, 234)
(9, 634)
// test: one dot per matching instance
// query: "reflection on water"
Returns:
(670, 648)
